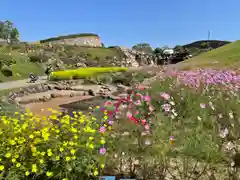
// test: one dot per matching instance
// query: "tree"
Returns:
(9, 32)
(143, 47)
(179, 49)
(205, 45)
(158, 51)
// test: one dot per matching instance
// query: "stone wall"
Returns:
(90, 41)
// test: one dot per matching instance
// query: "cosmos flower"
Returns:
(102, 151)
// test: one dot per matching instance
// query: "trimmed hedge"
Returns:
(83, 73)
(68, 37)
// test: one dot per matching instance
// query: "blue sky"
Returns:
(126, 22)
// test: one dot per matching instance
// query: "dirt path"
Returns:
(41, 108)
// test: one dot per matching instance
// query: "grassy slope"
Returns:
(195, 47)
(225, 56)
(23, 67)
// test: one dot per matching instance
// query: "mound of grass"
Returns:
(83, 73)
(227, 56)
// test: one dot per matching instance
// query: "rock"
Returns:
(91, 92)
(55, 95)
(80, 65)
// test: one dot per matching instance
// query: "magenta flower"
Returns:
(147, 98)
(102, 151)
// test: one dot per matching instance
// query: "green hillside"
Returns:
(197, 47)
(225, 56)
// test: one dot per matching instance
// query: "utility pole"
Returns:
(209, 34)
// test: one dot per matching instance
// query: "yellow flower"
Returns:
(71, 143)
(105, 117)
(16, 156)
(34, 168)
(13, 160)
(1, 167)
(91, 138)
(57, 158)
(43, 153)
(8, 155)
(31, 136)
(73, 151)
(41, 161)
(74, 157)
(49, 153)
(68, 158)
(91, 146)
(65, 179)
(18, 164)
(95, 173)
(61, 149)
(0, 159)
(75, 137)
(102, 165)
(49, 174)
(27, 173)
(33, 149)
(102, 141)
(12, 142)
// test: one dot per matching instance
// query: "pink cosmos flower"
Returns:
(147, 98)
(151, 108)
(147, 127)
(102, 151)
(165, 96)
(129, 115)
(102, 129)
(110, 122)
(144, 121)
(202, 105)
(166, 107)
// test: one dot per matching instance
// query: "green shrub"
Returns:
(6, 58)
(6, 71)
(82, 73)
(38, 57)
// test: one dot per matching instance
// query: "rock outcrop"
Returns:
(86, 39)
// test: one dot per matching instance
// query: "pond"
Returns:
(84, 105)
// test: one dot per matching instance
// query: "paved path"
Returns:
(21, 83)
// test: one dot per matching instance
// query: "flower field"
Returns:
(185, 125)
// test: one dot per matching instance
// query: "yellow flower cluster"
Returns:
(30, 143)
